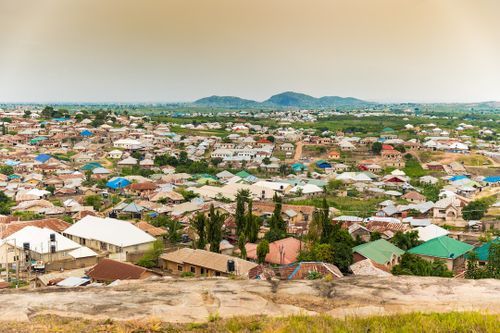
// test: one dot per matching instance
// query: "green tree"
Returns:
(199, 225)
(475, 210)
(94, 201)
(375, 235)
(262, 251)
(252, 223)
(241, 245)
(413, 265)
(242, 197)
(277, 226)
(214, 229)
(174, 231)
(376, 147)
(6, 170)
(150, 258)
(406, 240)
(5, 203)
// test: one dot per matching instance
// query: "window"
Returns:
(104, 246)
(193, 269)
(217, 273)
(179, 268)
(203, 271)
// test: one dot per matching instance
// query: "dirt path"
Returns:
(298, 151)
(194, 300)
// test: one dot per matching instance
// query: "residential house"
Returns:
(204, 263)
(380, 251)
(108, 234)
(444, 248)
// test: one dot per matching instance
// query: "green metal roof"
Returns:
(380, 251)
(243, 174)
(483, 252)
(442, 247)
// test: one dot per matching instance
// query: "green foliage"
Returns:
(314, 275)
(198, 224)
(6, 170)
(214, 229)
(136, 170)
(27, 215)
(414, 265)
(376, 147)
(262, 251)
(187, 274)
(252, 224)
(277, 226)
(187, 195)
(242, 240)
(476, 209)
(242, 197)
(413, 168)
(174, 231)
(431, 192)
(150, 258)
(94, 201)
(375, 235)
(406, 240)
(5, 203)
(490, 270)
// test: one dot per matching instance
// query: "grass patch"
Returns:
(474, 160)
(346, 205)
(412, 322)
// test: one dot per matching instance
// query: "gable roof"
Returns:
(431, 231)
(281, 252)
(111, 270)
(207, 259)
(108, 230)
(483, 252)
(380, 251)
(442, 247)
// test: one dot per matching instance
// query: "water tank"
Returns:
(231, 266)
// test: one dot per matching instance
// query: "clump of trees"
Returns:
(414, 265)
(150, 258)
(488, 271)
(277, 226)
(406, 240)
(327, 242)
(208, 229)
(476, 209)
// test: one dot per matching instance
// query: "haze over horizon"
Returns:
(183, 50)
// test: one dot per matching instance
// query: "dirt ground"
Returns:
(181, 301)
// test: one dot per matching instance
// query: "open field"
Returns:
(188, 301)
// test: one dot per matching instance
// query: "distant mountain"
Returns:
(226, 102)
(293, 99)
(286, 99)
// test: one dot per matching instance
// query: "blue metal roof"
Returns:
(118, 183)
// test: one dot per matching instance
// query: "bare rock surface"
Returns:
(194, 300)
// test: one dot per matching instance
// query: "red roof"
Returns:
(57, 225)
(111, 270)
(281, 252)
(387, 147)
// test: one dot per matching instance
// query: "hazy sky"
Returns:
(180, 50)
